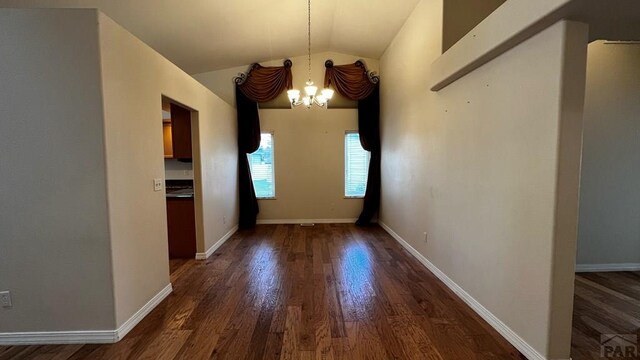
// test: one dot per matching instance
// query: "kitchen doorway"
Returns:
(181, 162)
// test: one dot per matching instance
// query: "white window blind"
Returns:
(356, 166)
(261, 165)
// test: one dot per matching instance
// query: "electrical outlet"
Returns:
(157, 184)
(5, 299)
(224, 219)
(426, 237)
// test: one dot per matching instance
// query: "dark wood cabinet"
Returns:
(181, 223)
(181, 132)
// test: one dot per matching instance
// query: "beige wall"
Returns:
(476, 166)
(135, 77)
(609, 230)
(309, 164)
(460, 16)
(54, 235)
(84, 238)
(309, 146)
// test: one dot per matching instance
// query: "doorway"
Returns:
(179, 131)
(606, 315)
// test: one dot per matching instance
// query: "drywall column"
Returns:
(572, 80)
(83, 238)
(54, 236)
(609, 232)
(135, 78)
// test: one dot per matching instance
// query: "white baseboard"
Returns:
(493, 320)
(85, 337)
(58, 337)
(305, 221)
(607, 267)
(128, 325)
(214, 247)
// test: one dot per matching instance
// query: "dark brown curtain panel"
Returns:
(369, 130)
(260, 84)
(355, 82)
(248, 142)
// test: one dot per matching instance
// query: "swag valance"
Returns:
(355, 82)
(352, 81)
(260, 84)
(265, 83)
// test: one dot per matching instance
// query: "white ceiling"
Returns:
(204, 35)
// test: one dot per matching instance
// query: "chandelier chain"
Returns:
(309, 35)
(312, 97)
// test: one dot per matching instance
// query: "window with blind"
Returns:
(356, 166)
(261, 164)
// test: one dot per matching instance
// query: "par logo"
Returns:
(619, 346)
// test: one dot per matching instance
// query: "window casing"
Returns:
(356, 166)
(261, 163)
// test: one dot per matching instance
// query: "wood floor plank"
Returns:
(53, 352)
(85, 352)
(22, 352)
(321, 324)
(365, 341)
(290, 344)
(7, 351)
(166, 346)
(334, 309)
(273, 347)
(328, 292)
(585, 283)
(604, 303)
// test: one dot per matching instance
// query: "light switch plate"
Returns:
(5, 299)
(157, 184)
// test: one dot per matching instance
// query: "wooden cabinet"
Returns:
(181, 132)
(176, 134)
(168, 140)
(181, 224)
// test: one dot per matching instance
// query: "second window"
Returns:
(356, 166)
(262, 171)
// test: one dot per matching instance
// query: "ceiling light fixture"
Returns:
(310, 90)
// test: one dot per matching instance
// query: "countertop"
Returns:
(179, 193)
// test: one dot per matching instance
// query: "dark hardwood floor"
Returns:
(291, 292)
(604, 303)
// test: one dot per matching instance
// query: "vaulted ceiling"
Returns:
(204, 35)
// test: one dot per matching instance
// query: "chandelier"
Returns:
(311, 91)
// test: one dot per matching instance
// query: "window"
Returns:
(261, 165)
(356, 166)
